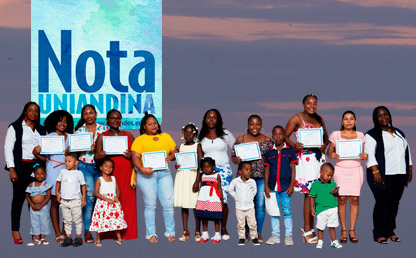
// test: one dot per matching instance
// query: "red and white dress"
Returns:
(106, 216)
(209, 204)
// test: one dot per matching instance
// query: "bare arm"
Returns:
(220, 189)
(84, 195)
(266, 181)
(326, 139)
(331, 151)
(313, 206)
(136, 159)
(195, 187)
(48, 197)
(292, 126)
(29, 201)
(171, 155)
(97, 192)
(128, 153)
(117, 197)
(36, 151)
(57, 190)
(99, 152)
(289, 190)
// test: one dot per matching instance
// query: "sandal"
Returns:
(88, 237)
(260, 239)
(98, 243)
(353, 239)
(35, 242)
(17, 240)
(44, 242)
(153, 239)
(312, 240)
(170, 238)
(118, 241)
(395, 238)
(344, 239)
(185, 236)
(197, 236)
(224, 233)
(381, 240)
(60, 239)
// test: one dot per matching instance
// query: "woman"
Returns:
(86, 163)
(389, 170)
(310, 159)
(254, 134)
(122, 171)
(214, 141)
(22, 136)
(348, 174)
(155, 183)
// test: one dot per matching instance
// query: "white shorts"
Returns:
(327, 218)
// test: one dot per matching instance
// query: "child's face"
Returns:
(40, 174)
(151, 126)
(246, 171)
(207, 168)
(278, 136)
(107, 168)
(326, 174)
(61, 125)
(188, 134)
(70, 162)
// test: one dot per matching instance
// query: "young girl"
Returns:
(187, 183)
(38, 194)
(58, 123)
(108, 214)
(210, 200)
(348, 174)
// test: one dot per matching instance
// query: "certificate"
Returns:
(80, 141)
(52, 145)
(349, 149)
(114, 145)
(311, 138)
(187, 160)
(155, 160)
(248, 151)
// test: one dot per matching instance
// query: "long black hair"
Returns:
(144, 120)
(81, 122)
(219, 130)
(377, 127)
(55, 117)
(315, 115)
(25, 108)
(342, 118)
(254, 116)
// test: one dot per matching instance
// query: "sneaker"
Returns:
(335, 244)
(320, 244)
(273, 240)
(216, 241)
(288, 240)
(203, 240)
(256, 241)
(77, 242)
(241, 241)
(67, 242)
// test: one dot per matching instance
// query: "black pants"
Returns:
(387, 206)
(19, 192)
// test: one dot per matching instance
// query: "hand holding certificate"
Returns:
(80, 142)
(115, 145)
(187, 160)
(248, 151)
(52, 144)
(155, 160)
(349, 149)
(311, 138)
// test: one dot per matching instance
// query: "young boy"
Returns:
(68, 185)
(279, 179)
(243, 189)
(323, 192)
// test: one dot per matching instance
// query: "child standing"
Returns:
(243, 189)
(210, 200)
(68, 185)
(279, 178)
(323, 192)
(187, 183)
(108, 214)
(38, 194)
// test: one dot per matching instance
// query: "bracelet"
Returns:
(375, 172)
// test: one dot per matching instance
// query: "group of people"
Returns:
(97, 191)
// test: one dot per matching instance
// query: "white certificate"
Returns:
(248, 151)
(80, 141)
(187, 160)
(52, 145)
(349, 149)
(311, 138)
(155, 160)
(114, 145)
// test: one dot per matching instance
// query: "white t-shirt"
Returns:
(71, 181)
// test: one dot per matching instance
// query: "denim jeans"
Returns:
(259, 206)
(91, 175)
(284, 205)
(157, 185)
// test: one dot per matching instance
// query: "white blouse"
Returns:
(394, 152)
(217, 148)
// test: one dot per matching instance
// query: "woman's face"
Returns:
(383, 117)
(114, 120)
(151, 126)
(310, 105)
(61, 125)
(211, 119)
(348, 121)
(32, 112)
(254, 126)
(89, 115)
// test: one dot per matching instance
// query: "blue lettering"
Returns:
(99, 104)
(82, 101)
(111, 102)
(45, 105)
(81, 73)
(114, 54)
(148, 104)
(136, 104)
(149, 72)
(60, 104)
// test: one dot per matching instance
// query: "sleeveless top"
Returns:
(108, 187)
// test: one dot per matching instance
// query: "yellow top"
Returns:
(150, 143)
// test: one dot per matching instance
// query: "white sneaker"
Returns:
(289, 240)
(335, 244)
(273, 240)
(320, 244)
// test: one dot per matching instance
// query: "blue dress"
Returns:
(39, 220)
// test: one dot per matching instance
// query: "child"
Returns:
(279, 178)
(68, 185)
(108, 215)
(210, 200)
(323, 192)
(243, 189)
(187, 183)
(38, 194)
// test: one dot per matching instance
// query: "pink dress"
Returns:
(349, 175)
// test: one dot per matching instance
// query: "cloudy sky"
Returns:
(245, 56)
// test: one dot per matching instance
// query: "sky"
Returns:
(245, 57)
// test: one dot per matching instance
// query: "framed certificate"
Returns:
(115, 145)
(248, 151)
(80, 142)
(187, 160)
(52, 145)
(349, 149)
(155, 160)
(311, 138)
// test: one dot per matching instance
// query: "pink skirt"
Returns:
(349, 180)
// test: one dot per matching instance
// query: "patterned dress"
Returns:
(209, 204)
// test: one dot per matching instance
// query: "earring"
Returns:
(25, 118)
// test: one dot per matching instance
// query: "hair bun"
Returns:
(146, 113)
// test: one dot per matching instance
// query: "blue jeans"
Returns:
(91, 175)
(157, 185)
(259, 206)
(284, 205)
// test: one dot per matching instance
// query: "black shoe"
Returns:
(241, 241)
(77, 242)
(67, 242)
(256, 241)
